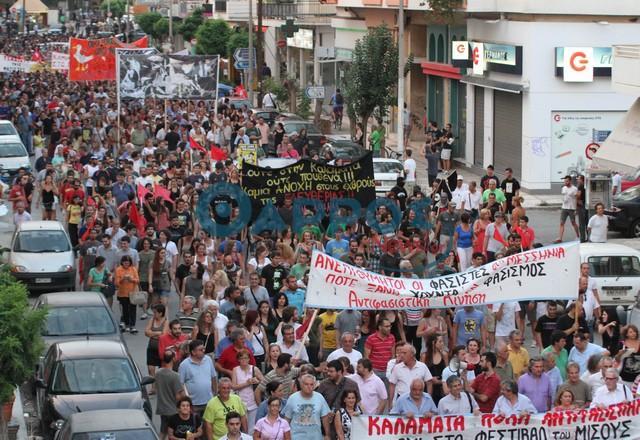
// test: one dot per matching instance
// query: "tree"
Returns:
(443, 11)
(239, 39)
(373, 75)
(212, 36)
(20, 341)
(161, 29)
(147, 20)
(190, 24)
(117, 7)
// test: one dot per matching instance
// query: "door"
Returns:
(478, 124)
(436, 100)
(507, 132)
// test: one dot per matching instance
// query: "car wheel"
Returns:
(634, 230)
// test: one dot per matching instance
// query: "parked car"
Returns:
(316, 138)
(343, 148)
(631, 180)
(74, 315)
(8, 129)
(238, 102)
(386, 173)
(80, 376)
(13, 156)
(41, 256)
(616, 270)
(624, 215)
(270, 116)
(114, 424)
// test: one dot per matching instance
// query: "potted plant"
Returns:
(20, 341)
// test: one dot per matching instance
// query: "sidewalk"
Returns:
(530, 200)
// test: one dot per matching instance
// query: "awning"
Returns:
(493, 84)
(440, 69)
(32, 6)
(621, 151)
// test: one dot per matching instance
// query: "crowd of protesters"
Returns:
(240, 355)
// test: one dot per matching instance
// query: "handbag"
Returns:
(138, 298)
(110, 288)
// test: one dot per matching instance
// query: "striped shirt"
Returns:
(380, 350)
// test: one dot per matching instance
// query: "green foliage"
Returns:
(239, 39)
(443, 11)
(190, 24)
(20, 340)
(373, 75)
(117, 7)
(212, 38)
(147, 21)
(161, 29)
(304, 105)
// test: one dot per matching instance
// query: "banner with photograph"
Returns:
(619, 421)
(308, 179)
(95, 60)
(59, 61)
(167, 76)
(247, 153)
(540, 274)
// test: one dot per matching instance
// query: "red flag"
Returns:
(497, 236)
(218, 154)
(195, 145)
(95, 60)
(37, 56)
(136, 218)
(142, 191)
(161, 191)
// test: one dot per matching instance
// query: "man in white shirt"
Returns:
(457, 402)
(596, 380)
(598, 225)
(459, 195)
(569, 205)
(473, 200)
(612, 392)
(405, 372)
(409, 172)
(269, 100)
(507, 319)
(372, 389)
(511, 402)
(616, 183)
(347, 340)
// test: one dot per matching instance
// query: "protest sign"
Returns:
(247, 153)
(615, 422)
(10, 63)
(308, 179)
(540, 274)
(59, 61)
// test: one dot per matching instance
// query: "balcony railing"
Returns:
(298, 9)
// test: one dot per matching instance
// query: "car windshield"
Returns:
(628, 195)
(12, 150)
(78, 321)
(94, 376)
(387, 167)
(41, 241)
(614, 266)
(129, 434)
(7, 129)
(298, 126)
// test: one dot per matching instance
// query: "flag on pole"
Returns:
(196, 146)
(136, 218)
(161, 191)
(142, 191)
(218, 154)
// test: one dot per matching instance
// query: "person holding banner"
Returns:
(511, 402)
(458, 402)
(415, 403)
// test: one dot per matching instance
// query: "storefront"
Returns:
(539, 95)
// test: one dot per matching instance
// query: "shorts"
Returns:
(490, 321)
(564, 213)
(445, 154)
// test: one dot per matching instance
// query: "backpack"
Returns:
(339, 99)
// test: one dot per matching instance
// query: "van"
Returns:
(13, 156)
(41, 256)
(616, 270)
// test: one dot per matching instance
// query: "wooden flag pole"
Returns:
(306, 335)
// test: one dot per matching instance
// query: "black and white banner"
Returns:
(143, 75)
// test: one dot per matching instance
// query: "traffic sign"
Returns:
(241, 57)
(314, 92)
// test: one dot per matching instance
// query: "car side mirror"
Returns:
(40, 384)
(147, 380)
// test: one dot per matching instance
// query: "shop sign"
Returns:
(481, 57)
(581, 64)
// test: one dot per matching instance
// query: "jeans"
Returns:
(583, 220)
(128, 312)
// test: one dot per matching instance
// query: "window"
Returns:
(78, 321)
(41, 241)
(614, 266)
(387, 167)
(12, 150)
(130, 434)
(432, 47)
(442, 52)
(7, 129)
(93, 376)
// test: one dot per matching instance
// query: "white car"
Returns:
(13, 156)
(385, 173)
(7, 129)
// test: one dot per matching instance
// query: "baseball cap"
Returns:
(460, 177)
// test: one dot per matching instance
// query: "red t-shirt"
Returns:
(167, 341)
(228, 359)
(381, 350)
(17, 191)
(490, 387)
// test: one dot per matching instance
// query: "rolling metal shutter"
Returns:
(507, 132)
(478, 126)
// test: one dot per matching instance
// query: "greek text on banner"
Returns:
(619, 421)
(539, 274)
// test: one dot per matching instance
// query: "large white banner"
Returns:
(540, 274)
(615, 422)
(59, 61)
(10, 63)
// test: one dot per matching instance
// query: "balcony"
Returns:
(299, 10)
(626, 65)
(556, 7)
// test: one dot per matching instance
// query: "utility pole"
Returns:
(23, 18)
(400, 126)
(127, 24)
(259, 54)
(251, 60)
(170, 26)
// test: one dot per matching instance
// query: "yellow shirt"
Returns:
(519, 360)
(75, 214)
(216, 411)
(329, 341)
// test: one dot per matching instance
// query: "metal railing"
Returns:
(298, 9)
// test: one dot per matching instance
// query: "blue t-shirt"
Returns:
(306, 415)
(469, 325)
(465, 238)
(296, 299)
(337, 248)
(197, 378)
